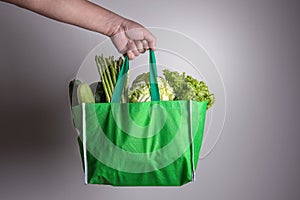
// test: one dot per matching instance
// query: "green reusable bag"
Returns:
(153, 143)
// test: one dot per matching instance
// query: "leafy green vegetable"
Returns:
(98, 91)
(173, 86)
(73, 85)
(140, 89)
(85, 94)
(188, 88)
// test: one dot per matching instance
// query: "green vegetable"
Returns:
(119, 65)
(113, 72)
(85, 94)
(73, 85)
(98, 91)
(188, 88)
(140, 89)
(105, 82)
(108, 69)
(107, 73)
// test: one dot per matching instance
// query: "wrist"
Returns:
(113, 25)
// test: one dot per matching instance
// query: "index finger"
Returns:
(151, 39)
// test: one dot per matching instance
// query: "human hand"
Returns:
(133, 39)
(128, 36)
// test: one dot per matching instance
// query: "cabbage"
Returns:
(174, 86)
(140, 89)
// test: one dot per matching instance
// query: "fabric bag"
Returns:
(154, 143)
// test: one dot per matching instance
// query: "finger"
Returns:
(152, 44)
(130, 55)
(131, 46)
(150, 38)
(139, 46)
(145, 44)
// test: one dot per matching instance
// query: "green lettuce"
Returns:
(186, 87)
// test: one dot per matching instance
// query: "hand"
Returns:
(133, 39)
(127, 36)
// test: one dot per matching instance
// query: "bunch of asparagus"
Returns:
(108, 69)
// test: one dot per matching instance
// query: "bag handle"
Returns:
(120, 85)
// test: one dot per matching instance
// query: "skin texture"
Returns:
(128, 36)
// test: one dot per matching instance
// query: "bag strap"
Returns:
(121, 81)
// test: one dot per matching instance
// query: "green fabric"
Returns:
(142, 144)
(153, 143)
(154, 92)
(121, 81)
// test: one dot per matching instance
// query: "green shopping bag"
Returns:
(153, 143)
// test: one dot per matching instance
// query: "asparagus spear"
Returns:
(109, 69)
(120, 62)
(115, 66)
(106, 73)
(104, 81)
(108, 85)
(112, 71)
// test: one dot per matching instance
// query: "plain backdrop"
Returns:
(254, 43)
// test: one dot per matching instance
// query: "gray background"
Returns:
(254, 43)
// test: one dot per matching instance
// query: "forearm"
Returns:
(128, 36)
(81, 13)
